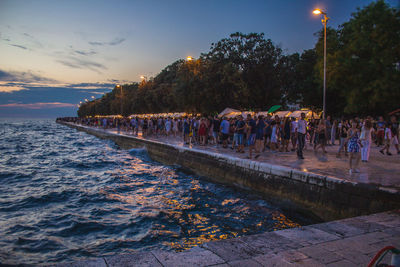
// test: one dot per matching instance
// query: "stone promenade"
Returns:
(381, 169)
(348, 242)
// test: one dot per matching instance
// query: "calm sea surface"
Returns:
(66, 195)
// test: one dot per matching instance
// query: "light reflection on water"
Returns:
(66, 195)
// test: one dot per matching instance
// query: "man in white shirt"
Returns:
(301, 135)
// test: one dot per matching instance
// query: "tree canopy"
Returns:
(247, 71)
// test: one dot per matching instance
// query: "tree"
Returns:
(364, 68)
(247, 71)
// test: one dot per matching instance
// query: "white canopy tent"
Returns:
(309, 114)
(229, 112)
(282, 114)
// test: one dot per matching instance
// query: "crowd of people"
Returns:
(258, 133)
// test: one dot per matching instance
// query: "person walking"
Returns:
(366, 137)
(216, 125)
(285, 137)
(186, 131)
(354, 147)
(293, 131)
(260, 129)
(388, 135)
(328, 127)
(251, 134)
(202, 132)
(322, 135)
(342, 138)
(301, 134)
(268, 132)
(380, 133)
(333, 132)
(395, 132)
(239, 130)
(274, 135)
(224, 129)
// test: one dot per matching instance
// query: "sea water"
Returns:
(66, 195)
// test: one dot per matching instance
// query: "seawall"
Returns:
(322, 196)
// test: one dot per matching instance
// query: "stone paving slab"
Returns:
(145, 259)
(85, 263)
(194, 257)
(270, 242)
(323, 244)
(231, 249)
(339, 229)
(307, 235)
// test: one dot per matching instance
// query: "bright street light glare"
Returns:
(189, 58)
(317, 11)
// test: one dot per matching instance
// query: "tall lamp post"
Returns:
(120, 86)
(324, 21)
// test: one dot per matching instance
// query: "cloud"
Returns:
(94, 92)
(97, 43)
(29, 42)
(78, 63)
(6, 88)
(91, 86)
(24, 77)
(38, 105)
(116, 41)
(33, 40)
(84, 53)
(19, 46)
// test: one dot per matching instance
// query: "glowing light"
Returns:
(317, 11)
(189, 58)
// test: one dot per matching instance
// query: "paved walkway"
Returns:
(348, 242)
(381, 169)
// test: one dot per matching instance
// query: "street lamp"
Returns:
(189, 58)
(120, 86)
(324, 21)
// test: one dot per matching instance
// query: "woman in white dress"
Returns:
(366, 133)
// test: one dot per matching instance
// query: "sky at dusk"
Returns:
(54, 54)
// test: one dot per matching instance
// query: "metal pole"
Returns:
(121, 100)
(324, 107)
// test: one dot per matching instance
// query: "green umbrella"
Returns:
(274, 108)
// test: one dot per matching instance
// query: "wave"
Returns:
(38, 201)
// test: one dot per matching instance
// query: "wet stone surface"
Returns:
(314, 245)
